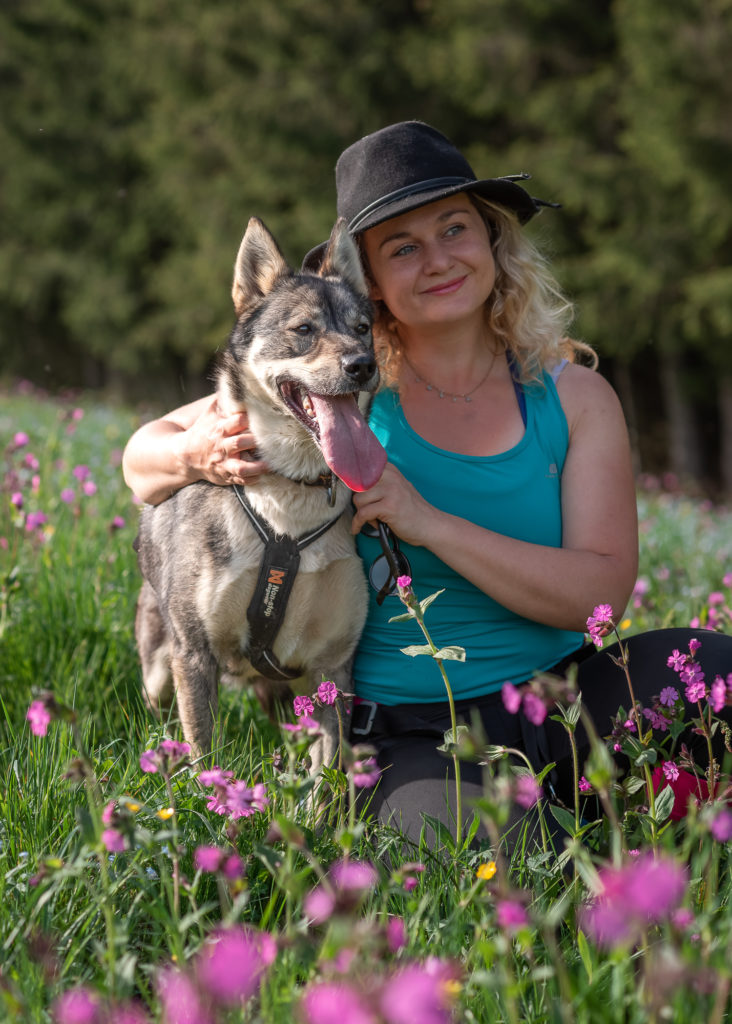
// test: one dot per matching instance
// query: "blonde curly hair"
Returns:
(526, 311)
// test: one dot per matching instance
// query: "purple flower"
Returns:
(677, 660)
(35, 519)
(670, 771)
(89, 488)
(231, 969)
(527, 791)
(113, 840)
(303, 706)
(68, 495)
(77, 1006)
(396, 934)
(694, 646)
(214, 776)
(327, 692)
(207, 858)
(600, 623)
(669, 696)
(242, 801)
(16, 498)
(584, 785)
(334, 1002)
(404, 581)
(181, 1000)
(165, 758)
(319, 904)
(354, 876)
(721, 825)
(418, 994)
(696, 691)
(511, 915)
(117, 523)
(366, 772)
(717, 694)
(20, 440)
(31, 461)
(39, 717)
(533, 707)
(81, 473)
(511, 698)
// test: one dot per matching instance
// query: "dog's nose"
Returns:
(359, 368)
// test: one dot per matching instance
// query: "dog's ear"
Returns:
(341, 258)
(258, 265)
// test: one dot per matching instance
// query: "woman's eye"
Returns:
(455, 229)
(404, 250)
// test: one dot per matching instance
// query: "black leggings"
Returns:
(418, 779)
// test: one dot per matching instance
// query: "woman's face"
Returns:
(434, 265)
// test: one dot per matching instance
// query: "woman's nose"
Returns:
(437, 258)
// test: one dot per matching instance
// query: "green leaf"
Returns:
(451, 653)
(585, 953)
(564, 818)
(401, 618)
(664, 804)
(427, 601)
(416, 649)
(647, 756)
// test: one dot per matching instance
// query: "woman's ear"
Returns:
(374, 291)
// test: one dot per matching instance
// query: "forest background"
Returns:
(138, 137)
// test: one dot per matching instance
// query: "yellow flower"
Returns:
(165, 812)
(486, 871)
(132, 806)
(626, 624)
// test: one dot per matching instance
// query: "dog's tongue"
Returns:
(348, 444)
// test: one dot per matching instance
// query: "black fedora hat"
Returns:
(407, 165)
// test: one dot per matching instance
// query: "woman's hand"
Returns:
(395, 502)
(211, 447)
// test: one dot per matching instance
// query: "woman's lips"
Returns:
(446, 288)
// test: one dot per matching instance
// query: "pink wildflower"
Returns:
(717, 694)
(214, 776)
(366, 772)
(89, 488)
(600, 623)
(20, 440)
(534, 708)
(327, 692)
(232, 968)
(404, 581)
(670, 771)
(113, 840)
(584, 785)
(242, 801)
(396, 934)
(303, 706)
(16, 498)
(77, 1006)
(168, 756)
(511, 698)
(39, 717)
(677, 660)
(207, 858)
(354, 876)
(511, 915)
(334, 1002)
(419, 993)
(721, 825)
(81, 473)
(319, 904)
(696, 691)
(34, 520)
(68, 496)
(181, 1000)
(117, 523)
(527, 791)
(31, 461)
(669, 695)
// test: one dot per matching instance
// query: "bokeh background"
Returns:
(138, 136)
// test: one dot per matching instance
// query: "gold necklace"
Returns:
(441, 393)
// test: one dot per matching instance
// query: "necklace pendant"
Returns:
(455, 398)
(429, 387)
(442, 394)
(468, 398)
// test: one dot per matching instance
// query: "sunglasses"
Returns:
(388, 566)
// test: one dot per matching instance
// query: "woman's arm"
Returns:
(559, 587)
(192, 443)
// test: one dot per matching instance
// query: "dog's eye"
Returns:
(363, 328)
(303, 329)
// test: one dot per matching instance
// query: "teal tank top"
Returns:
(516, 493)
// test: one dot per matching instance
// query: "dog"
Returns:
(218, 562)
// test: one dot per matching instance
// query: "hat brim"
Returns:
(498, 190)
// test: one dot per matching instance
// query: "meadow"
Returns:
(137, 886)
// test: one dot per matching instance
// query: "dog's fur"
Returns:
(198, 551)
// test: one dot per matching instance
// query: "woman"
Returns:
(509, 481)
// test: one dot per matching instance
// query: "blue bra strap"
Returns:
(517, 385)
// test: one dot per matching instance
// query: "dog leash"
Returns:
(277, 572)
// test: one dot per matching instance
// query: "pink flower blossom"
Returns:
(30, 461)
(39, 717)
(721, 825)
(303, 706)
(677, 660)
(366, 772)
(16, 498)
(165, 758)
(717, 694)
(231, 969)
(669, 695)
(353, 876)
(696, 691)
(584, 785)
(534, 708)
(319, 904)
(511, 915)
(511, 698)
(77, 1006)
(214, 776)
(694, 646)
(327, 692)
(207, 858)
(113, 840)
(68, 496)
(181, 1000)
(81, 473)
(396, 934)
(35, 519)
(117, 523)
(404, 581)
(20, 440)
(527, 791)
(242, 801)
(109, 813)
(670, 771)
(334, 1002)
(418, 994)
(89, 488)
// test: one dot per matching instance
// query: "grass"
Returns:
(435, 934)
